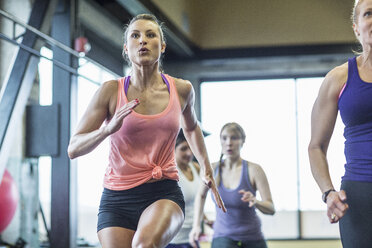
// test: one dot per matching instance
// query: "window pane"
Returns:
(45, 72)
(45, 68)
(91, 167)
(266, 111)
(310, 197)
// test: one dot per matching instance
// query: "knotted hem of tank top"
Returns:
(157, 172)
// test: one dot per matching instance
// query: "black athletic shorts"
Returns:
(123, 208)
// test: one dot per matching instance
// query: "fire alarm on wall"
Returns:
(82, 45)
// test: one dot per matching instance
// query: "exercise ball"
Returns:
(8, 200)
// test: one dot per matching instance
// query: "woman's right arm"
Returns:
(89, 133)
(323, 120)
(199, 211)
(198, 214)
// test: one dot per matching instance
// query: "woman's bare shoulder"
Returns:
(110, 85)
(339, 72)
(334, 81)
(254, 167)
(108, 93)
(181, 82)
(184, 87)
(337, 75)
(196, 166)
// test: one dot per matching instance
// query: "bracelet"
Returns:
(325, 195)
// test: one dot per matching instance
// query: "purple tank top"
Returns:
(355, 105)
(240, 222)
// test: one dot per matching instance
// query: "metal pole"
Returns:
(52, 41)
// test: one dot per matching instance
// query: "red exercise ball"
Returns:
(8, 200)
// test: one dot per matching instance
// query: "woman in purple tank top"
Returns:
(348, 88)
(237, 181)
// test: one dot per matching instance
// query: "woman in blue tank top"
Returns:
(237, 181)
(348, 88)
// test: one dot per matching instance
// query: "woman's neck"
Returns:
(144, 76)
(231, 162)
(366, 56)
(366, 59)
(182, 166)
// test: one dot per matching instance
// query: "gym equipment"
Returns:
(8, 200)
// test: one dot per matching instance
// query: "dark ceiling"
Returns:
(178, 45)
(180, 48)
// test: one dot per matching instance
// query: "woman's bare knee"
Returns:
(158, 224)
(115, 237)
(146, 241)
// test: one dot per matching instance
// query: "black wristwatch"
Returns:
(325, 195)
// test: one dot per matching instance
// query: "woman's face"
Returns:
(183, 153)
(144, 43)
(363, 25)
(231, 142)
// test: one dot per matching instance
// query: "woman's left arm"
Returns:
(266, 204)
(194, 136)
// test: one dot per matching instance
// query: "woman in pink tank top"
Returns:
(142, 204)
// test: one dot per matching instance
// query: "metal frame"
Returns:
(14, 86)
(50, 41)
(55, 62)
(64, 184)
(15, 92)
(14, 96)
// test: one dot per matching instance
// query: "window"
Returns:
(91, 167)
(275, 115)
(45, 70)
(314, 220)
(307, 91)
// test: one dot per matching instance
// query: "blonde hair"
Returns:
(354, 20)
(355, 12)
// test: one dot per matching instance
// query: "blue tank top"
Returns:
(240, 222)
(355, 105)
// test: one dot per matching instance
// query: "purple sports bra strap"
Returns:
(127, 80)
(126, 85)
(165, 81)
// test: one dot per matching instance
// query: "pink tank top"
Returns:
(143, 148)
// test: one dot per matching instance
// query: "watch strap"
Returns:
(325, 195)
